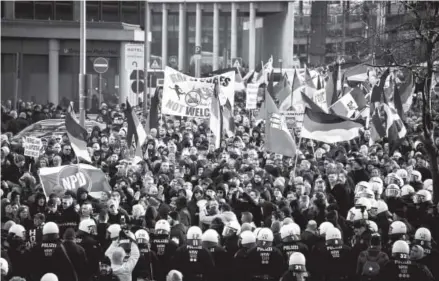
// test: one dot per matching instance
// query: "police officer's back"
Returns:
(210, 241)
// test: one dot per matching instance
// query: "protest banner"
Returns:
(252, 96)
(319, 98)
(58, 180)
(32, 147)
(188, 96)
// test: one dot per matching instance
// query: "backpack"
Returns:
(371, 267)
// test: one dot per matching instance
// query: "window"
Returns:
(64, 10)
(130, 12)
(24, 9)
(44, 10)
(92, 11)
(110, 11)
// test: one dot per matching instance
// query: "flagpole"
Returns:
(297, 156)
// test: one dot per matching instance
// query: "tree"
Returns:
(409, 39)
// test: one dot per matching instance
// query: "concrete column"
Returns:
(124, 77)
(164, 35)
(216, 46)
(198, 35)
(76, 10)
(288, 56)
(9, 7)
(148, 21)
(54, 71)
(234, 31)
(181, 37)
(252, 38)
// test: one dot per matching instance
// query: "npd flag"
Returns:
(61, 179)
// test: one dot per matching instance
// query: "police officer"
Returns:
(163, 246)
(246, 242)
(147, 266)
(193, 260)
(210, 241)
(290, 235)
(334, 261)
(230, 236)
(296, 268)
(17, 251)
(397, 231)
(431, 255)
(319, 246)
(265, 262)
(400, 267)
(87, 240)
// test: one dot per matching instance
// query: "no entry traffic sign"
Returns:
(100, 65)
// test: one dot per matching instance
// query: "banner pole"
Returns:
(295, 161)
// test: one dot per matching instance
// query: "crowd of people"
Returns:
(347, 211)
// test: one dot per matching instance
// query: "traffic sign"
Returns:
(197, 50)
(155, 64)
(137, 78)
(173, 60)
(134, 56)
(100, 65)
(237, 62)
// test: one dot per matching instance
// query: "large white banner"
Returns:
(187, 96)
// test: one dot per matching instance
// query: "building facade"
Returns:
(40, 39)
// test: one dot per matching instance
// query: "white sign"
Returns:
(134, 56)
(188, 96)
(319, 98)
(252, 96)
(32, 147)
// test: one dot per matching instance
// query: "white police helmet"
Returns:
(49, 277)
(382, 207)
(142, 236)
(297, 262)
(18, 230)
(232, 227)
(372, 226)
(194, 233)
(265, 234)
(50, 228)
(88, 226)
(356, 214)
(423, 234)
(422, 196)
(288, 230)
(210, 235)
(428, 184)
(333, 234)
(397, 227)
(402, 173)
(416, 176)
(4, 266)
(324, 226)
(364, 203)
(362, 185)
(407, 190)
(400, 247)
(392, 190)
(248, 237)
(162, 225)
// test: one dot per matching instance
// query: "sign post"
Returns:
(197, 61)
(100, 65)
(237, 62)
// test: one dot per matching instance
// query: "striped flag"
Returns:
(286, 97)
(331, 87)
(406, 91)
(136, 135)
(278, 138)
(77, 135)
(216, 118)
(308, 79)
(309, 103)
(153, 115)
(329, 128)
(228, 120)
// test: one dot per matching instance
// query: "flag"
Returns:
(216, 119)
(395, 129)
(406, 91)
(286, 97)
(377, 95)
(309, 103)
(278, 138)
(153, 115)
(308, 79)
(239, 81)
(331, 87)
(58, 180)
(377, 129)
(319, 83)
(228, 120)
(329, 128)
(77, 135)
(270, 86)
(136, 133)
(397, 101)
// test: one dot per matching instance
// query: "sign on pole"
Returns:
(134, 56)
(100, 65)
(32, 146)
(155, 64)
(197, 50)
(252, 96)
(237, 62)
